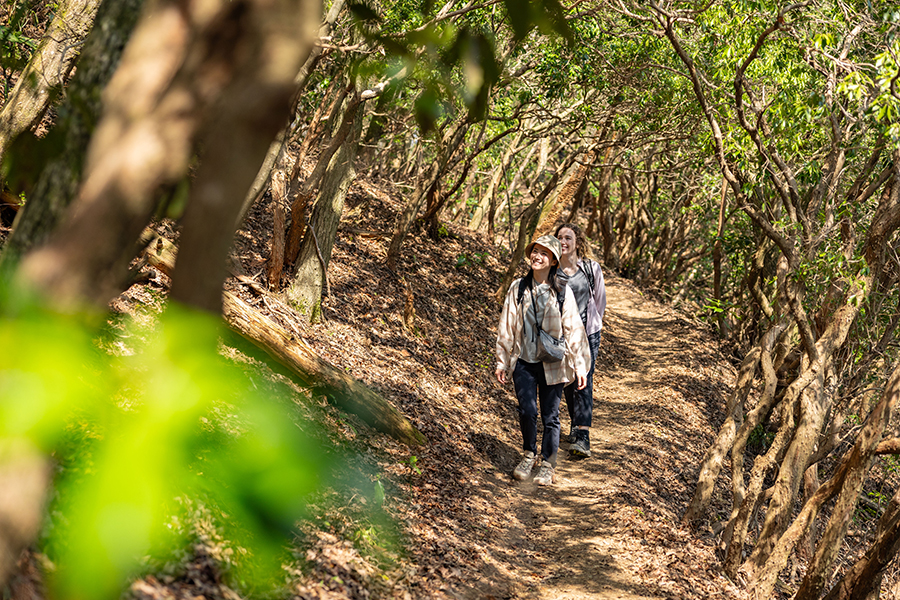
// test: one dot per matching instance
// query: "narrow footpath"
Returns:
(609, 527)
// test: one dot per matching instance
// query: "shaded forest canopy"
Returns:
(741, 160)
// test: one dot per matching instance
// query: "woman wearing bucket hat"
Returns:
(533, 310)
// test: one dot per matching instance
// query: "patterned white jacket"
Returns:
(512, 325)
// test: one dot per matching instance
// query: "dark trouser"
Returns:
(531, 386)
(581, 402)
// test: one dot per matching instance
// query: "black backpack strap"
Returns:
(588, 269)
(522, 286)
(561, 298)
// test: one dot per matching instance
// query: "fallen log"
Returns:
(317, 374)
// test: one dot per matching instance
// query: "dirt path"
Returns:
(608, 528)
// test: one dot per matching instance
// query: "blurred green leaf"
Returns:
(135, 433)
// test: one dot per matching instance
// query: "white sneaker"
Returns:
(546, 475)
(523, 470)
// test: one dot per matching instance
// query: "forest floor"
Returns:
(453, 523)
(607, 529)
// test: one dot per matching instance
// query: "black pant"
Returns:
(581, 402)
(531, 386)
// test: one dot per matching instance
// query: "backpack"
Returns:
(588, 272)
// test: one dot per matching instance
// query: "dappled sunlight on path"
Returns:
(608, 528)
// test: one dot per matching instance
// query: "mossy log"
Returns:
(319, 375)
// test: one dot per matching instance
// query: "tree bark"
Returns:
(847, 483)
(311, 270)
(251, 109)
(450, 143)
(178, 66)
(57, 186)
(488, 199)
(25, 475)
(48, 70)
(528, 226)
(302, 193)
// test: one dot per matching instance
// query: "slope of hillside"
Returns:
(608, 529)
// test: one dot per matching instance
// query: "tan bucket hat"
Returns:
(547, 241)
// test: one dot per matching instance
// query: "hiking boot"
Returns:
(523, 470)
(571, 439)
(545, 475)
(582, 445)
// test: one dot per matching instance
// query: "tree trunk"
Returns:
(488, 200)
(717, 261)
(302, 191)
(60, 178)
(275, 264)
(450, 143)
(48, 69)
(340, 389)
(247, 116)
(846, 483)
(528, 226)
(514, 185)
(310, 280)
(864, 577)
(25, 475)
(278, 148)
(565, 193)
(219, 55)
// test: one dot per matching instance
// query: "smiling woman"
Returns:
(550, 308)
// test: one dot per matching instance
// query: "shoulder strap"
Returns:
(560, 300)
(588, 272)
(521, 294)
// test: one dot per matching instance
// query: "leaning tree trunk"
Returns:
(302, 191)
(865, 576)
(310, 282)
(48, 69)
(847, 484)
(57, 185)
(338, 387)
(566, 193)
(214, 72)
(488, 200)
(529, 223)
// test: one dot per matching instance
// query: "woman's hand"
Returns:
(582, 381)
(501, 376)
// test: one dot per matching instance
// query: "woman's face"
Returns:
(567, 240)
(541, 258)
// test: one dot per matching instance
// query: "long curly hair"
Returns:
(582, 247)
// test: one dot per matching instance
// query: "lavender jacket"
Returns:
(597, 302)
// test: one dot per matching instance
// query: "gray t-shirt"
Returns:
(581, 288)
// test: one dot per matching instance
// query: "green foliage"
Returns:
(760, 439)
(134, 434)
(547, 15)
(464, 260)
(414, 464)
(15, 47)
(448, 61)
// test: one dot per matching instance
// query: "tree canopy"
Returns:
(741, 158)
